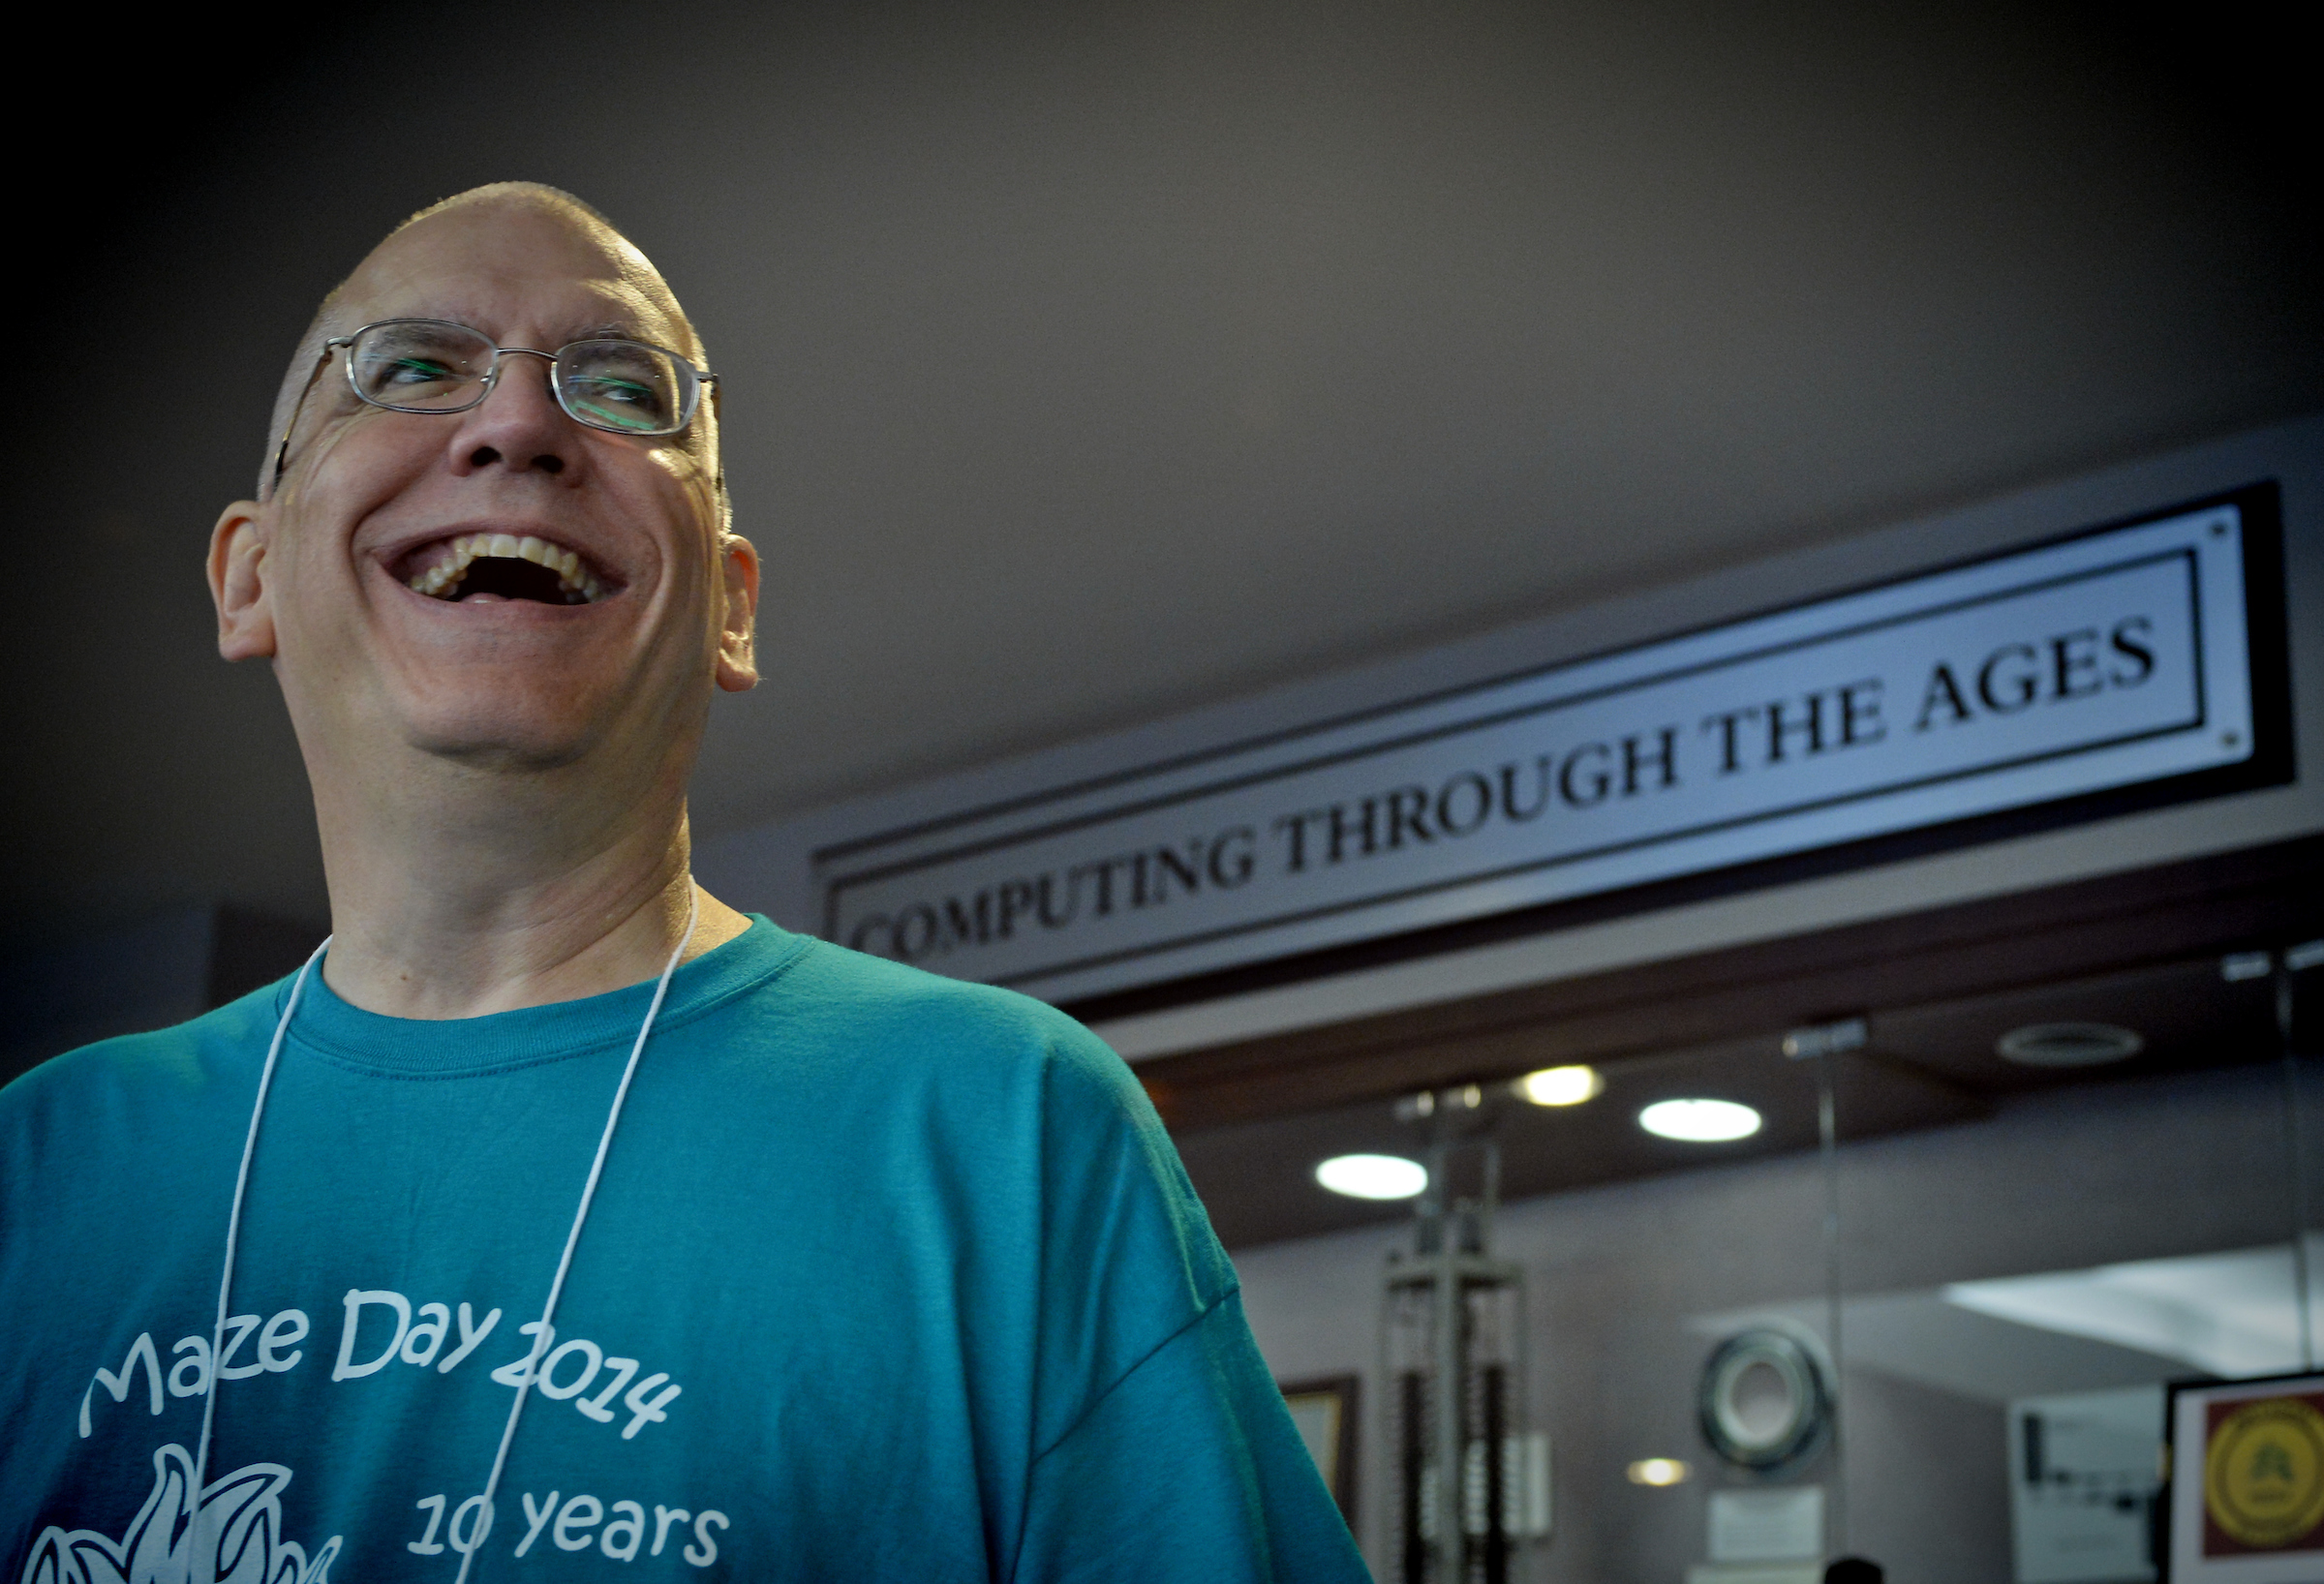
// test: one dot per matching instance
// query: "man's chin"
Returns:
(502, 741)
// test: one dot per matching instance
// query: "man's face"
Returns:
(504, 672)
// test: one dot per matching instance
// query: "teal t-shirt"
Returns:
(888, 1277)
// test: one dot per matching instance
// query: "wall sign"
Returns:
(2082, 1475)
(2113, 659)
(2245, 1499)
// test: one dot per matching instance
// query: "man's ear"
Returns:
(238, 584)
(738, 629)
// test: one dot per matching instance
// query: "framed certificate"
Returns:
(1325, 1411)
(2245, 1504)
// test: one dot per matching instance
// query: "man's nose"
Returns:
(519, 425)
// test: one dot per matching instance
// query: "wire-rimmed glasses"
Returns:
(433, 365)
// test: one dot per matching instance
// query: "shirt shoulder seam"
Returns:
(1133, 1367)
(1090, 1407)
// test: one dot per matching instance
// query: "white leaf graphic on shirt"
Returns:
(241, 1511)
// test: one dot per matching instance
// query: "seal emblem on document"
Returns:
(2263, 1473)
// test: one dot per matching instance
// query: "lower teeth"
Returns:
(450, 589)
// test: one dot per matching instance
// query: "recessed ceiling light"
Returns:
(1699, 1121)
(1658, 1471)
(1562, 1085)
(2069, 1045)
(1373, 1176)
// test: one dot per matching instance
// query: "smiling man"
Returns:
(559, 1220)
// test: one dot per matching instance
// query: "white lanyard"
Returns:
(549, 1312)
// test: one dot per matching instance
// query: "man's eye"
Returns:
(625, 404)
(416, 371)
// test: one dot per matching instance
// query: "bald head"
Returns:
(503, 586)
(486, 232)
(498, 619)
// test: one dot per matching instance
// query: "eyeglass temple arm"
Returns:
(282, 452)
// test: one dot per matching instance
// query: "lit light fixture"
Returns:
(1562, 1085)
(1373, 1176)
(1699, 1121)
(1658, 1471)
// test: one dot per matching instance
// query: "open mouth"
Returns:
(504, 566)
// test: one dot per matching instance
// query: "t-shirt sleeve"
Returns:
(1188, 1468)
(1163, 1450)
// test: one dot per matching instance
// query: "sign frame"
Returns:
(2269, 762)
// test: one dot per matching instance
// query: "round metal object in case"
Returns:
(2069, 1045)
(1763, 1400)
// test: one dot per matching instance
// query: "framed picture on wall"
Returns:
(2245, 1504)
(1325, 1411)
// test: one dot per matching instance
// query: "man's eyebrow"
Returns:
(598, 330)
(671, 336)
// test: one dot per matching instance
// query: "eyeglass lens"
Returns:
(416, 363)
(431, 365)
(623, 385)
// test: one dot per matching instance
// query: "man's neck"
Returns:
(486, 894)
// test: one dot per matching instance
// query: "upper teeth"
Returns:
(579, 583)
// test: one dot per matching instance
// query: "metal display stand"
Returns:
(1454, 1336)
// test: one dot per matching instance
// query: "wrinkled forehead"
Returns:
(526, 273)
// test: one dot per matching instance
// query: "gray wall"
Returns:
(59, 992)
(2067, 1180)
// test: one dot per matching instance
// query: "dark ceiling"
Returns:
(1981, 971)
(1091, 362)
(1928, 1066)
